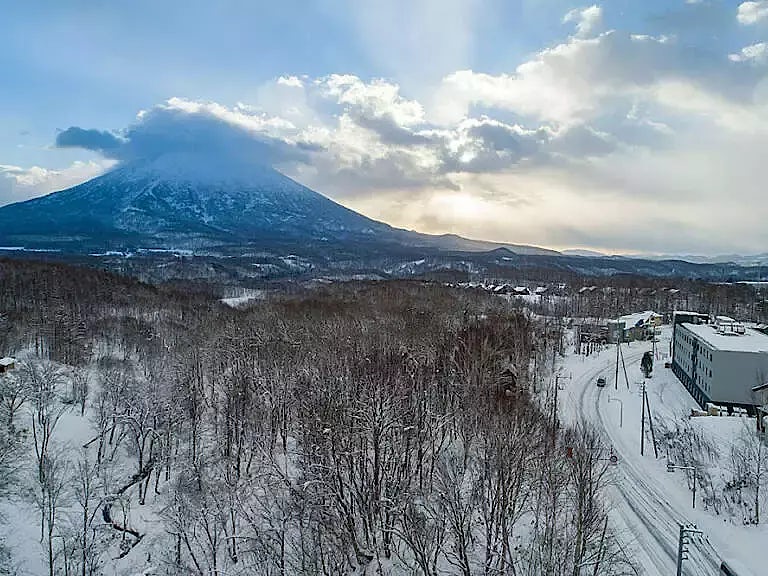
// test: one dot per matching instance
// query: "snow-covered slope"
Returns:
(192, 200)
(178, 198)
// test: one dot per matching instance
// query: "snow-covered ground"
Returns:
(243, 297)
(649, 503)
(72, 441)
(21, 526)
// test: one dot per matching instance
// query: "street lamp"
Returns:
(621, 410)
(672, 467)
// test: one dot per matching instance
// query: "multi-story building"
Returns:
(761, 399)
(719, 362)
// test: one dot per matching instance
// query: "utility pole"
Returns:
(672, 467)
(555, 420)
(650, 424)
(626, 377)
(642, 424)
(686, 531)
(618, 350)
(554, 409)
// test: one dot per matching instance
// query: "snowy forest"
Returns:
(357, 428)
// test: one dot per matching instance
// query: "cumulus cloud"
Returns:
(584, 79)
(377, 105)
(599, 123)
(569, 83)
(583, 98)
(181, 125)
(378, 99)
(339, 132)
(752, 12)
(754, 53)
(96, 140)
(587, 19)
(18, 184)
(625, 124)
(487, 145)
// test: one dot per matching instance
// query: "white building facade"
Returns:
(720, 362)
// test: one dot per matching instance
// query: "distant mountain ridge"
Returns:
(189, 201)
(583, 252)
(739, 259)
(193, 216)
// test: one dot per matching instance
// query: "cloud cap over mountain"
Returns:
(610, 116)
(180, 125)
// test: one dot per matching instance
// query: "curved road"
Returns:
(649, 520)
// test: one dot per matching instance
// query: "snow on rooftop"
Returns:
(638, 318)
(750, 341)
(7, 361)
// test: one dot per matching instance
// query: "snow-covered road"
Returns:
(646, 513)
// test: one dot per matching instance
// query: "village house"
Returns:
(7, 364)
(633, 327)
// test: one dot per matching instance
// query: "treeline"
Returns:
(616, 296)
(384, 428)
(60, 311)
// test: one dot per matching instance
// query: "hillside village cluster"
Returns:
(721, 361)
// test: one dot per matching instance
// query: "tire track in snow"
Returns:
(645, 537)
(658, 514)
(647, 514)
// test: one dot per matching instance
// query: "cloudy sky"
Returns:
(623, 126)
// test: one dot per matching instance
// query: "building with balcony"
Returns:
(719, 362)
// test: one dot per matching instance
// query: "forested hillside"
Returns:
(385, 428)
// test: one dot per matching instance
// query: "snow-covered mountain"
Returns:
(583, 252)
(194, 201)
(757, 260)
(184, 200)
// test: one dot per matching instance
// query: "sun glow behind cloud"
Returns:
(618, 138)
(463, 206)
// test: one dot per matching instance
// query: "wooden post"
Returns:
(650, 423)
(642, 425)
(680, 546)
(626, 378)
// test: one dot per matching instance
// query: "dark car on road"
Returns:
(601, 382)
